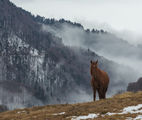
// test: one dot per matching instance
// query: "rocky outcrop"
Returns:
(3, 108)
(135, 86)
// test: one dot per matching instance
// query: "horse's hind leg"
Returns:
(100, 92)
(104, 93)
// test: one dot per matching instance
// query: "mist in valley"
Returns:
(109, 45)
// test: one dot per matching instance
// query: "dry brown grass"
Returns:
(114, 104)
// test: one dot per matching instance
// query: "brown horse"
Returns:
(99, 81)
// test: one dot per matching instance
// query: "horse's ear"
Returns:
(97, 62)
(91, 61)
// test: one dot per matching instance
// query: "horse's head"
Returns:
(93, 66)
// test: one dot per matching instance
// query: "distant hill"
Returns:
(135, 86)
(124, 106)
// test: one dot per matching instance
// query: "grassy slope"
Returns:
(114, 104)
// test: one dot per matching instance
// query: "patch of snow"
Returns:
(126, 110)
(133, 109)
(139, 117)
(18, 112)
(110, 114)
(90, 116)
(14, 40)
(130, 109)
(21, 112)
(34, 52)
(41, 59)
(62, 113)
(129, 118)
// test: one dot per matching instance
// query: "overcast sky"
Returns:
(116, 14)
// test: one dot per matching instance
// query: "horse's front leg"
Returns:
(104, 93)
(94, 88)
(94, 94)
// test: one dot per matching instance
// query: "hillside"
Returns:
(123, 106)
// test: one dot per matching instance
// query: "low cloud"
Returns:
(110, 46)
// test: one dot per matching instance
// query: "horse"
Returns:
(99, 80)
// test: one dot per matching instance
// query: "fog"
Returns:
(132, 36)
(110, 45)
(98, 14)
